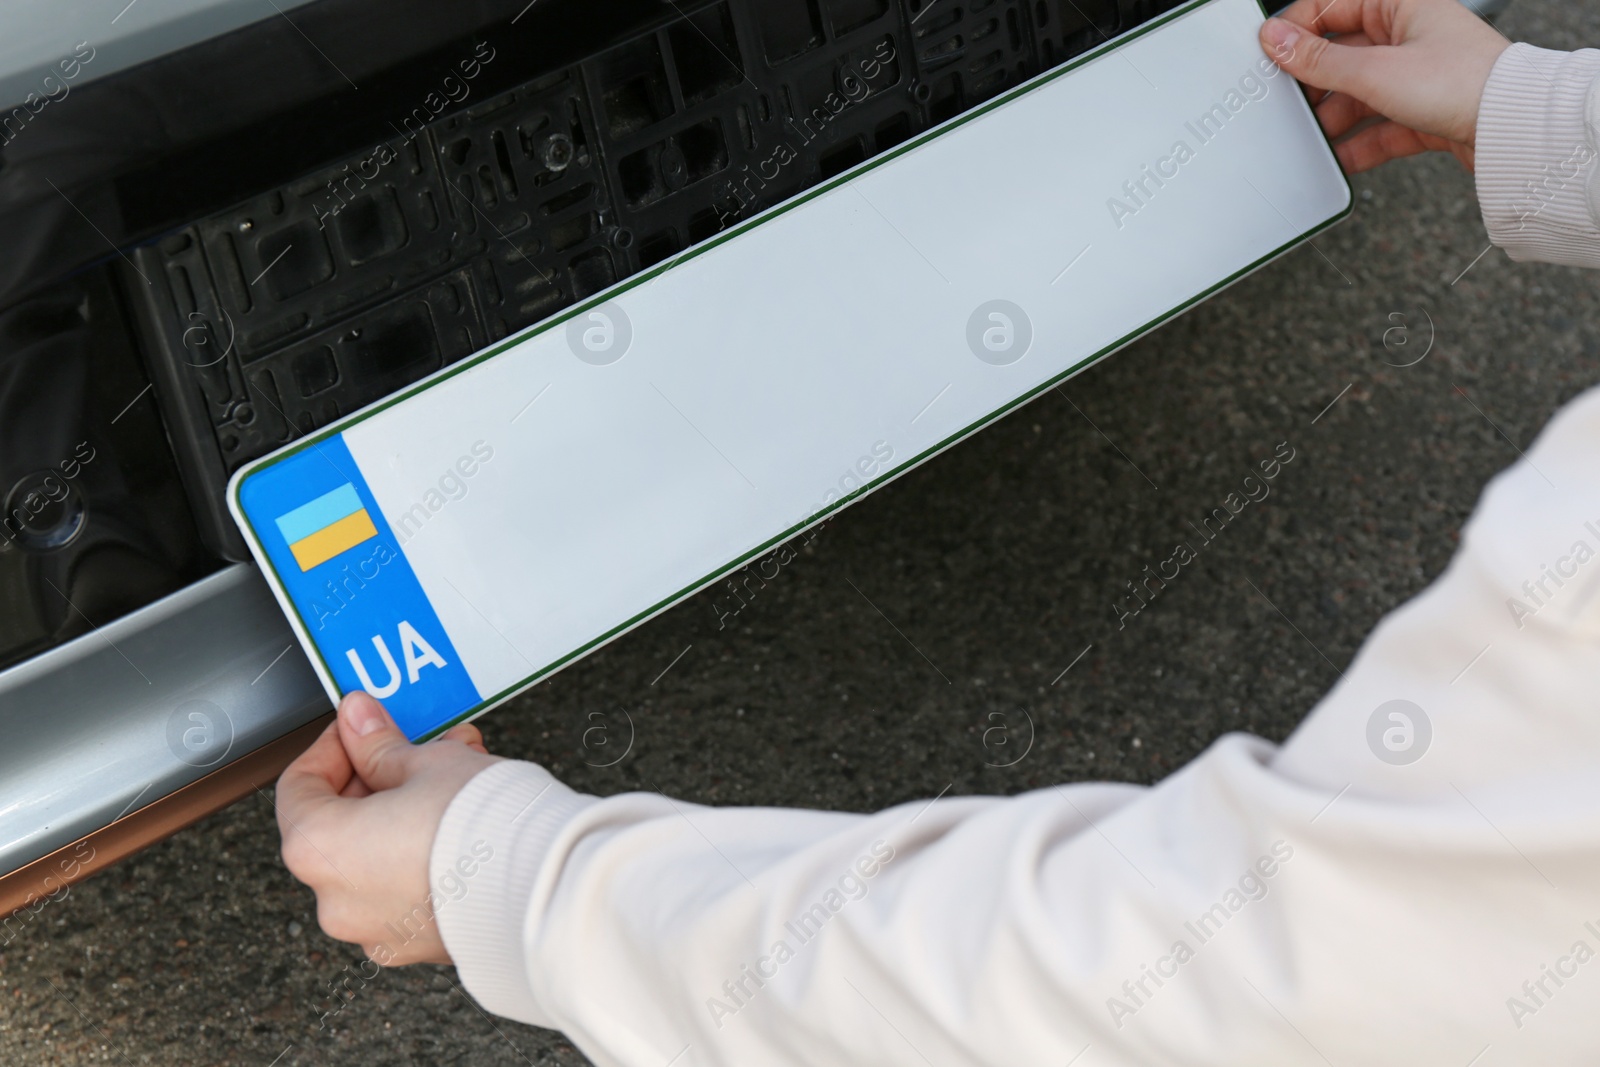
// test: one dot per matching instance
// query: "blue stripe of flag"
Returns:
(321, 513)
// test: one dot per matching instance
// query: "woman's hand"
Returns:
(1419, 66)
(358, 812)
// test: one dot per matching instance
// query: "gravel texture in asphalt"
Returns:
(956, 631)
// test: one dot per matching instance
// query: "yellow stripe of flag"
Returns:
(329, 541)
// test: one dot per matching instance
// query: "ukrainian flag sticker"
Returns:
(328, 526)
(365, 619)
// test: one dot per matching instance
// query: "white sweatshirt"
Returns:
(1305, 904)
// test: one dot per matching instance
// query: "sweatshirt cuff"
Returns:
(1537, 153)
(499, 827)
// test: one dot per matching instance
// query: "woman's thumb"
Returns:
(378, 751)
(1313, 59)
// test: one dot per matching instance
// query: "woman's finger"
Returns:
(1378, 144)
(319, 775)
(1339, 114)
(1323, 17)
(467, 734)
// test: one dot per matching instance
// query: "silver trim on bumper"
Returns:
(125, 715)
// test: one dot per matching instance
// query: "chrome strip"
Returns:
(39, 34)
(125, 715)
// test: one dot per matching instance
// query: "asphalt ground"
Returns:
(954, 632)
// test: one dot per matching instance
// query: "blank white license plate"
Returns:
(456, 543)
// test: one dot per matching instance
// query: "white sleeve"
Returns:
(1537, 156)
(1401, 883)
